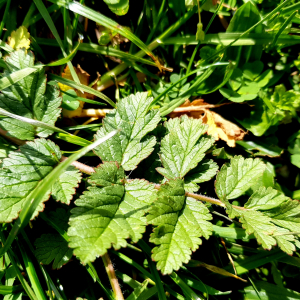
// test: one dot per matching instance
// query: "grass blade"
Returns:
(15, 77)
(4, 16)
(89, 267)
(82, 87)
(73, 139)
(38, 193)
(94, 48)
(154, 272)
(45, 14)
(7, 290)
(66, 59)
(32, 274)
(283, 26)
(24, 283)
(106, 22)
(32, 121)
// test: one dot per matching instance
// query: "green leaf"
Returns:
(244, 19)
(180, 224)
(29, 97)
(236, 79)
(133, 143)
(69, 101)
(5, 148)
(295, 160)
(81, 87)
(119, 7)
(267, 147)
(265, 199)
(105, 21)
(52, 247)
(109, 212)
(260, 119)
(232, 95)
(203, 172)
(36, 197)
(269, 291)
(253, 69)
(64, 188)
(259, 224)
(22, 172)
(286, 215)
(272, 217)
(183, 148)
(216, 80)
(285, 100)
(235, 179)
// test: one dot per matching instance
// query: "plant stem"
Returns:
(205, 198)
(112, 277)
(80, 166)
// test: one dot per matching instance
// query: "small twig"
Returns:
(112, 277)
(94, 113)
(205, 198)
(228, 254)
(80, 166)
(227, 6)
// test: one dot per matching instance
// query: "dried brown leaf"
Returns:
(219, 127)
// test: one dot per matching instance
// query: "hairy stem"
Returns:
(205, 198)
(112, 277)
(80, 166)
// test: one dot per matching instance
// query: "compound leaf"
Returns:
(203, 172)
(52, 247)
(286, 215)
(30, 97)
(180, 224)
(265, 199)
(64, 188)
(183, 148)
(109, 212)
(21, 173)
(235, 179)
(259, 224)
(132, 144)
(272, 217)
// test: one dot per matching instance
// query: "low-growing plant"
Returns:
(153, 178)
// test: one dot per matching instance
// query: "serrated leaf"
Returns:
(133, 143)
(180, 224)
(273, 217)
(203, 172)
(21, 173)
(64, 188)
(265, 199)
(29, 97)
(183, 148)
(109, 212)
(286, 215)
(52, 247)
(259, 224)
(236, 178)
(286, 242)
